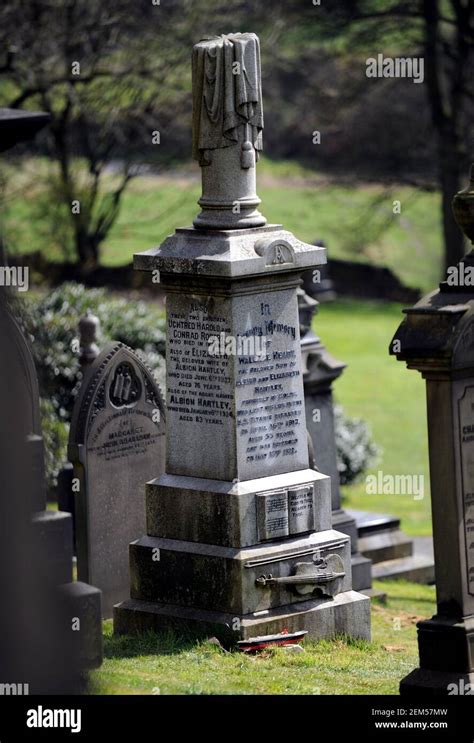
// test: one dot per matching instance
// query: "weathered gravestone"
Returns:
(320, 370)
(71, 628)
(116, 443)
(239, 540)
(52, 630)
(437, 339)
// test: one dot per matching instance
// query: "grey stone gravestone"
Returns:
(51, 531)
(238, 536)
(436, 338)
(116, 444)
(320, 370)
(37, 647)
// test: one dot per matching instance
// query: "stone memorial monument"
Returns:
(238, 538)
(436, 338)
(116, 444)
(320, 370)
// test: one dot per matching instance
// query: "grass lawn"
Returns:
(155, 664)
(389, 397)
(356, 221)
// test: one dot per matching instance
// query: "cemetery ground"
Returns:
(357, 332)
(162, 664)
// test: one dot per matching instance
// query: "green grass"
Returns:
(162, 664)
(389, 397)
(356, 221)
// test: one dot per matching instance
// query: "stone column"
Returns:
(436, 338)
(239, 539)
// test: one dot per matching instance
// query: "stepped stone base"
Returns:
(446, 648)
(394, 555)
(346, 614)
(380, 536)
(415, 568)
(386, 545)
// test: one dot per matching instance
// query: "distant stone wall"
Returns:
(360, 280)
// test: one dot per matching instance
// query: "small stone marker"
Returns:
(89, 326)
(116, 443)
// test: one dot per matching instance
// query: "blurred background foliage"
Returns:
(51, 321)
(134, 79)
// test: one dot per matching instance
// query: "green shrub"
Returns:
(52, 322)
(356, 451)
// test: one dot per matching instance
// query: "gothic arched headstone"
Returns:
(117, 444)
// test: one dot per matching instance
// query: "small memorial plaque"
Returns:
(300, 509)
(272, 514)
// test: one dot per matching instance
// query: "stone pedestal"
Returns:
(239, 528)
(436, 338)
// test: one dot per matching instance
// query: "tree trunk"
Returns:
(86, 249)
(450, 179)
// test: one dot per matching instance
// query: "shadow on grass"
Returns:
(171, 643)
(148, 643)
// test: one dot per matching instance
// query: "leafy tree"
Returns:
(89, 66)
(442, 32)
